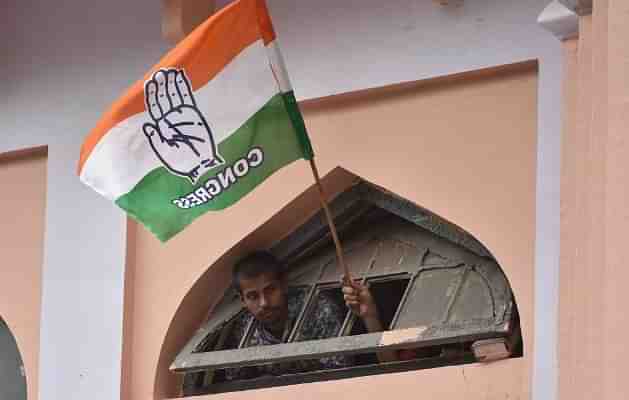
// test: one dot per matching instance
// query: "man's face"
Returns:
(265, 297)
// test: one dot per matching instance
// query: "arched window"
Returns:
(440, 293)
(12, 380)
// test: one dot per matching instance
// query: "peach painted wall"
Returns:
(595, 193)
(22, 219)
(616, 200)
(463, 147)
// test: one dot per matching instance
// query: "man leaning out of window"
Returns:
(264, 292)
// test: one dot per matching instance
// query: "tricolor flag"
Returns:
(206, 125)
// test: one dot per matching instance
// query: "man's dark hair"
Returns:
(256, 264)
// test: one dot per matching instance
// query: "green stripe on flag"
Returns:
(157, 200)
(298, 122)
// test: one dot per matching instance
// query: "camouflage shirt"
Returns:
(324, 320)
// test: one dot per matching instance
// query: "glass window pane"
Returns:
(234, 332)
(308, 271)
(429, 297)
(224, 314)
(395, 256)
(473, 301)
(326, 305)
(358, 259)
(431, 258)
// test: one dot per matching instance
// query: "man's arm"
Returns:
(359, 299)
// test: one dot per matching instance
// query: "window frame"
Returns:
(311, 237)
(327, 375)
(341, 345)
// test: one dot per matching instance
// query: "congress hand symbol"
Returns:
(179, 134)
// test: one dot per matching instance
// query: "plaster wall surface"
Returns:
(616, 200)
(22, 216)
(401, 138)
(594, 196)
(491, 381)
(66, 61)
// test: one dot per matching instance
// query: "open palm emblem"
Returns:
(178, 134)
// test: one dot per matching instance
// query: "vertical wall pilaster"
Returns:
(595, 194)
(615, 293)
(567, 344)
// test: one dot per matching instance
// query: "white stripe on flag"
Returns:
(279, 66)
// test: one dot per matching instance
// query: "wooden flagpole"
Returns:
(347, 278)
